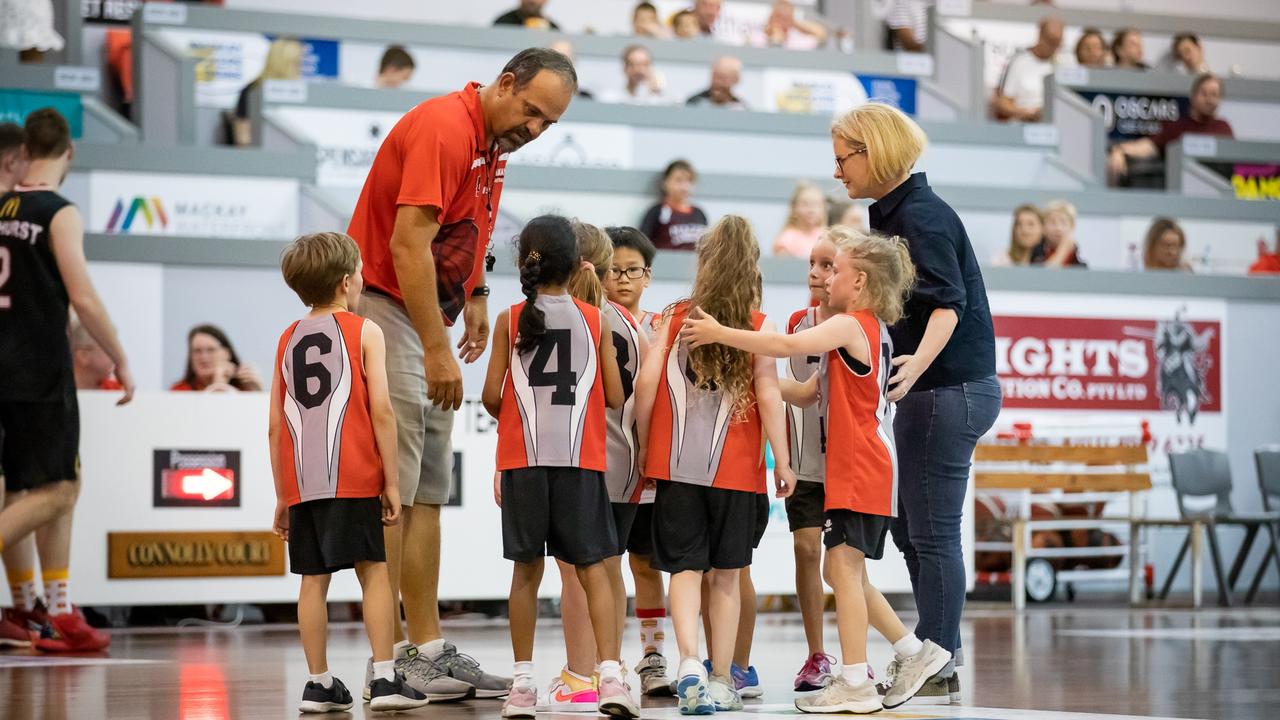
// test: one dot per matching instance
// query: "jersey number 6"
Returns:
(304, 371)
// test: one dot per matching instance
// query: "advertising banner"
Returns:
(227, 61)
(192, 205)
(16, 105)
(1256, 182)
(811, 91)
(1129, 116)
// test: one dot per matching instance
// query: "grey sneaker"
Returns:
(935, 691)
(890, 675)
(914, 672)
(723, 695)
(841, 697)
(425, 676)
(465, 668)
(653, 676)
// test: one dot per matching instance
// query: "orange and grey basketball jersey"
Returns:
(622, 443)
(553, 397)
(649, 322)
(805, 426)
(862, 467)
(693, 436)
(328, 449)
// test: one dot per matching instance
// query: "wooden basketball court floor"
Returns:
(1047, 664)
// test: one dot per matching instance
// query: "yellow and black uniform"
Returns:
(39, 417)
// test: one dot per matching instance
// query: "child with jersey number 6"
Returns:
(551, 373)
(336, 483)
(871, 276)
(703, 415)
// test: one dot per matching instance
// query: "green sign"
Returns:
(15, 105)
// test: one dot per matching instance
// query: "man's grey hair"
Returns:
(529, 62)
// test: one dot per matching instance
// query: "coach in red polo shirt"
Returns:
(423, 224)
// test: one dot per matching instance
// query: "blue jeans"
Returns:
(936, 431)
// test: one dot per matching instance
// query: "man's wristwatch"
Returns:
(480, 291)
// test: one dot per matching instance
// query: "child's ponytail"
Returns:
(595, 255)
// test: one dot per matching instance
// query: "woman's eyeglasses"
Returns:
(841, 158)
(632, 273)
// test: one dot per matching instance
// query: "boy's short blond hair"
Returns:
(893, 140)
(314, 265)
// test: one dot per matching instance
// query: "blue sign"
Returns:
(899, 92)
(319, 58)
(16, 105)
(1129, 116)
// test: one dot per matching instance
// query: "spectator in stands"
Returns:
(284, 62)
(1165, 246)
(806, 221)
(1020, 93)
(643, 85)
(1091, 49)
(1201, 118)
(1188, 55)
(645, 22)
(908, 25)
(92, 366)
(565, 48)
(1268, 262)
(213, 365)
(726, 72)
(849, 214)
(28, 28)
(528, 14)
(13, 156)
(1126, 50)
(1026, 235)
(1058, 248)
(395, 68)
(675, 223)
(783, 29)
(684, 25)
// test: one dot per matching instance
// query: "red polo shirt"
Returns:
(437, 155)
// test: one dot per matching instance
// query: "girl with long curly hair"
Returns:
(703, 414)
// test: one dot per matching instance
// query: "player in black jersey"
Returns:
(42, 273)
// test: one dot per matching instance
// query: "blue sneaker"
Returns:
(746, 681)
(693, 696)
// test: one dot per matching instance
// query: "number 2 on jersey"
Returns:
(564, 379)
(6, 302)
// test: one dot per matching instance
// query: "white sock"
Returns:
(906, 647)
(432, 649)
(325, 679)
(385, 670)
(691, 666)
(523, 675)
(610, 669)
(855, 674)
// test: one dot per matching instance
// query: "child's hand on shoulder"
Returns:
(280, 523)
(699, 328)
(390, 506)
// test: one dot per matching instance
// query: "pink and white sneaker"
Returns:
(816, 673)
(570, 693)
(616, 700)
(521, 702)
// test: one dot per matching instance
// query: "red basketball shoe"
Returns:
(72, 633)
(13, 634)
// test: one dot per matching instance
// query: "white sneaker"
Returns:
(914, 671)
(521, 702)
(723, 695)
(841, 697)
(616, 700)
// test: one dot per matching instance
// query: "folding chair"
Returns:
(1268, 462)
(1203, 473)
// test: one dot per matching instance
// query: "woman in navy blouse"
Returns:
(944, 381)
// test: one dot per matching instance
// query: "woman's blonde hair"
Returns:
(284, 60)
(894, 141)
(726, 286)
(594, 246)
(1159, 227)
(887, 263)
(1018, 254)
(1060, 206)
(802, 187)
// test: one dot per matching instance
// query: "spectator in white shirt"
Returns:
(1020, 94)
(785, 30)
(908, 22)
(644, 85)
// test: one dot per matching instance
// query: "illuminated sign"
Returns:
(196, 478)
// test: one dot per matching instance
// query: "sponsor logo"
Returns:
(149, 210)
(10, 208)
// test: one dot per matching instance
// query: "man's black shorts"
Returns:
(697, 527)
(326, 536)
(805, 506)
(640, 539)
(559, 511)
(39, 441)
(858, 530)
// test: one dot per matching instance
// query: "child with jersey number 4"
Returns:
(336, 484)
(551, 373)
(703, 415)
(869, 281)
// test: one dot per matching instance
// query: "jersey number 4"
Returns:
(304, 371)
(564, 379)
